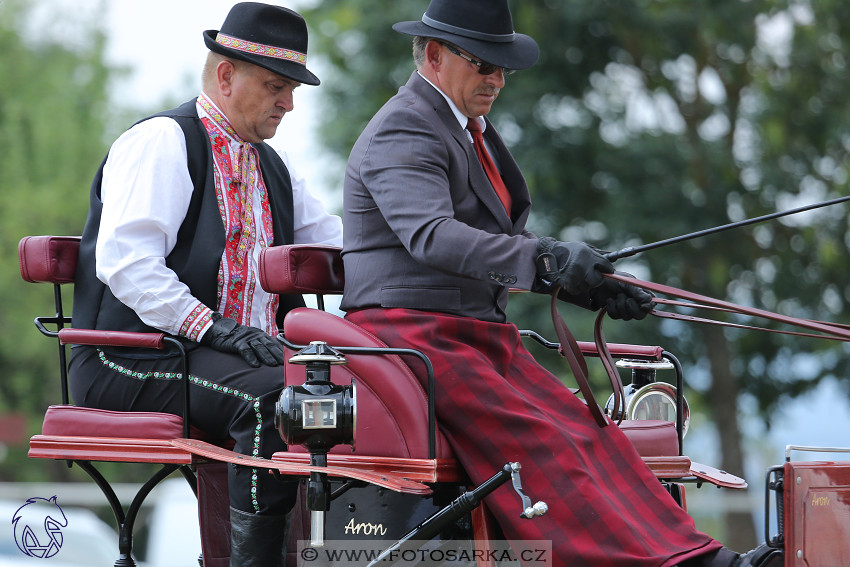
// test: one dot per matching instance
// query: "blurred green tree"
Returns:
(644, 120)
(53, 119)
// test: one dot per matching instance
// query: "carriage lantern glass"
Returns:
(647, 398)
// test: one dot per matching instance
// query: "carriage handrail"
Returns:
(812, 449)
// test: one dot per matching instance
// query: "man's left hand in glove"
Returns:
(252, 344)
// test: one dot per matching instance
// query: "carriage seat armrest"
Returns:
(617, 350)
(302, 268)
(95, 337)
(643, 352)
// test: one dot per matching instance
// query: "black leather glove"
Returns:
(574, 266)
(251, 343)
(621, 300)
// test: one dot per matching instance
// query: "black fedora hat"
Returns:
(272, 37)
(484, 28)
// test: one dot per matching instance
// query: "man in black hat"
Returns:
(435, 209)
(180, 210)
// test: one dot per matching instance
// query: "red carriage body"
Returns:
(398, 445)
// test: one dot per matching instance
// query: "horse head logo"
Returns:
(38, 527)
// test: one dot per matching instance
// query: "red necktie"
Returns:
(490, 169)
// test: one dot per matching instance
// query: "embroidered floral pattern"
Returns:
(239, 189)
(197, 320)
(261, 49)
(203, 383)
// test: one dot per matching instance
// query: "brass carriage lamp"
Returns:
(318, 415)
(646, 398)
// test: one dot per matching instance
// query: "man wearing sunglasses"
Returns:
(434, 236)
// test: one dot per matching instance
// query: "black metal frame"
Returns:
(124, 519)
(777, 485)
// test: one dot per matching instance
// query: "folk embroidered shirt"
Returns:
(146, 192)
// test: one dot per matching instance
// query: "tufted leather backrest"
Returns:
(48, 259)
(302, 268)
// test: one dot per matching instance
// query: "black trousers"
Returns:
(227, 399)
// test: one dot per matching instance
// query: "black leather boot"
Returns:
(761, 556)
(257, 541)
(720, 558)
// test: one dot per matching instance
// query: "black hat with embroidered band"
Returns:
(484, 28)
(272, 37)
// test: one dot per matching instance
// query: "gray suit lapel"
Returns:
(478, 179)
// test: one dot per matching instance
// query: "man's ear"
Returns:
(433, 55)
(224, 72)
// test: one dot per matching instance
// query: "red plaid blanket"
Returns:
(496, 404)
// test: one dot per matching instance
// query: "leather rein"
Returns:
(569, 348)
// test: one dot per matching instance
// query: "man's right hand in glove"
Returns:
(574, 266)
(252, 344)
(621, 300)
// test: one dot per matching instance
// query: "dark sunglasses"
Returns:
(483, 68)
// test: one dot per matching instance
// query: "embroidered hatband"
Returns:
(260, 49)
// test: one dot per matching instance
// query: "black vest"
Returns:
(200, 240)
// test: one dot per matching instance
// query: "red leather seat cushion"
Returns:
(392, 424)
(302, 268)
(76, 421)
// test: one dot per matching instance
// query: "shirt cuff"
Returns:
(197, 322)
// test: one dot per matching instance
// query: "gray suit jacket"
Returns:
(423, 227)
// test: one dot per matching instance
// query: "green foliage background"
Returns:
(53, 112)
(56, 123)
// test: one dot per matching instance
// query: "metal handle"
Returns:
(789, 448)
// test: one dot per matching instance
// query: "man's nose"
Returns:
(286, 101)
(497, 79)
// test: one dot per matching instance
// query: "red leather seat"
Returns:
(391, 403)
(652, 438)
(392, 416)
(90, 422)
(390, 399)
